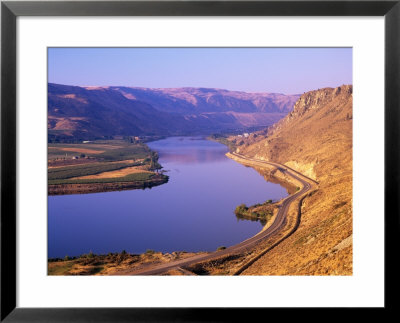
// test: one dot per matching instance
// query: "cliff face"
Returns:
(315, 139)
(317, 134)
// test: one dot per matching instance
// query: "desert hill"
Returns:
(97, 112)
(315, 139)
(198, 100)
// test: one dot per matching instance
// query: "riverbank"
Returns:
(280, 227)
(226, 263)
(102, 166)
(276, 172)
(113, 262)
(82, 188)
(262, 212)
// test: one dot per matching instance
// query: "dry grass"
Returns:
(78, 162)
(116, 263)
(116, 173)
(315, 139)
(80, 150)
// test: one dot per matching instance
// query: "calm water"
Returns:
(192, 212)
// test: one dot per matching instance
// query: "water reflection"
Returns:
(192, 150)
(194, 211)
(242, 218)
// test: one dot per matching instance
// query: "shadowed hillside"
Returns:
(315, 139)
(198, 100)
(100, 112)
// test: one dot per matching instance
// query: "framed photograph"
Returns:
(172, 160)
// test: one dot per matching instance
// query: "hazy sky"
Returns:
(281, 70)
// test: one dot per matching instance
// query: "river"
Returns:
(194, 211)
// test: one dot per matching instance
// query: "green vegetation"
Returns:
(98, 157)
(221, 248)
(89, 255)
(136, 177)
(61, 269)
(240, 209)
(223, 139)
(104, 264)
(153, 161)
(85, 169)
(262, 212)
(104, 150)
(138, 151)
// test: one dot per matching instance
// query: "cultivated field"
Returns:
(101, 163)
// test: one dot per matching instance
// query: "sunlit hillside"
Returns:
(315, 139)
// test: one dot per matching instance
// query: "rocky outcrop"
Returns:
(318, 128)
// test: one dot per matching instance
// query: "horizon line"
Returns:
(194, 87)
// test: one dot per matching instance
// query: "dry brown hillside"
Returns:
(88, 113)
(315, 139)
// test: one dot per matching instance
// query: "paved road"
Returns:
(244, 245)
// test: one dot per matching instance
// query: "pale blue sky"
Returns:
(281, 70)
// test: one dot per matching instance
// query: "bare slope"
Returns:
(79, 112)
(315, 139)
(189, 100)
(96, 112)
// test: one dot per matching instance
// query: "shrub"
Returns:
(242, 208)
(221, 248)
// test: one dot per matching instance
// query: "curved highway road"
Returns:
(244, 245)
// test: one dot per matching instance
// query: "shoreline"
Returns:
(243, 251)
(119, 165)
(67, 189)
(274, 172)
(234, 259)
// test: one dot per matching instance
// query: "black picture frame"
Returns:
(10, 10)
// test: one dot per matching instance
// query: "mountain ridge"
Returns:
(95, 112)
(211, 99)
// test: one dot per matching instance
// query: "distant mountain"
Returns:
(198, 100)
(76, 112)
